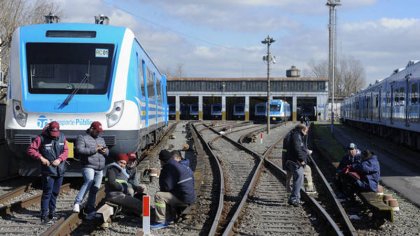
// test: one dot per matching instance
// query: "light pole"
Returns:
(331, 54)
(268, 58)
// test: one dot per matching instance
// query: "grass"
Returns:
(326, 143)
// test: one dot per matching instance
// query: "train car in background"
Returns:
(279, 111)
(193, 112)
(216, 111)
(76, 74)
(172, 111)
(389, 108)
(239, 111)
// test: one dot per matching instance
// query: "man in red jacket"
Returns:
(50, 148)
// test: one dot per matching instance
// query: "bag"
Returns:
(285, 154)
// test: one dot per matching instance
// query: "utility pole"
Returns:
(331, 53)
(269, 59)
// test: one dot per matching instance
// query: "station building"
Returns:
(306, 95)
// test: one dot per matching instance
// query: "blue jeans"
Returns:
(297, 172)
(92, 181)
(50, 190)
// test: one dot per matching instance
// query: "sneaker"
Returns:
(45, 221)
(91, 216)
(52, 217)
(158, 225)
(294, 203)
(76, 208)
(311, 192)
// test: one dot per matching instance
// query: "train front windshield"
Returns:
(275, 108)
(60, 68)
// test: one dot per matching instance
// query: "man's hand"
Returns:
(45, 161)
(56, 162)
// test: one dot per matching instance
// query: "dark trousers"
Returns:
(50, 190)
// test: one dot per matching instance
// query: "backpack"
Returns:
(286, 144)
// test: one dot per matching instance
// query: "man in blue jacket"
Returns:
(369, 171)
(176, 183)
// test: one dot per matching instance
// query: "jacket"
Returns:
(116, 180)
(178, 180)
(297, 151)
(349, 160)
(50, 148)
(370, 171)
(86, 149)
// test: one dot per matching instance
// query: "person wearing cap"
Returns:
(369, 171)
(176, 183)
(50, 148)
(353, 156)
(135, 189)
(117, 186)
(92, 151)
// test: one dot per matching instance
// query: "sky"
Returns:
(222, 38)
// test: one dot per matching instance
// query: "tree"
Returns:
(349, 75)
(15, 13)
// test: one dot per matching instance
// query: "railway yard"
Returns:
(240, 188)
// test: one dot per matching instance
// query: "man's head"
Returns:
(165, 156)
(352, 149)
(176, 155)
(95, 128)
(302, 128)
(131, 159)
(54, 129)
(122, 159)
(366, 154)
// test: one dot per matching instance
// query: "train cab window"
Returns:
(60, 68)
(274, 107)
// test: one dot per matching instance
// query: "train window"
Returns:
(150, 85)
(60, 68)
(402, 96)
(141, 74)
(414, 94)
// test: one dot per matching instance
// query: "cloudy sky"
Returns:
(222, 38)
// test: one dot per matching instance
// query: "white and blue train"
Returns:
(279, 111)
(79, 73)
(239, 111)
(390, 108)
(216, 111)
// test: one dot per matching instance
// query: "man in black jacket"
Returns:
(297, 159)
(176, 183)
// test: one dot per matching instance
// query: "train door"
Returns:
(391, 116)
(379, 102)
(407, 101)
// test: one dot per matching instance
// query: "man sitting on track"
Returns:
(352, 157)
(176, 183)
(369, 171)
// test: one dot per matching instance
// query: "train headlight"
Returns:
(115, 115)
(20, 116)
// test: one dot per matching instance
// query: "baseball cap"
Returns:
(352, 146)
(54, 129)
(96, 125)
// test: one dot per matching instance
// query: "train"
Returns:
(279, 111)
(239, 111)
(216, 111)
(193, 111)
(389, 108)
(75, 74)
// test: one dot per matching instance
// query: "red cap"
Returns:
(96, 125)
(54, 129)
(132, 156)
(122, 156)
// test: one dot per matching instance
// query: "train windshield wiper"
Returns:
(76, 90)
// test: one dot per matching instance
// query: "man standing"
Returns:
(93, 152)
(50, 148)
(297, 159)
(176, 183)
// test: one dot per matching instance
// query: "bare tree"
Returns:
(349, 75)
(15, 13)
